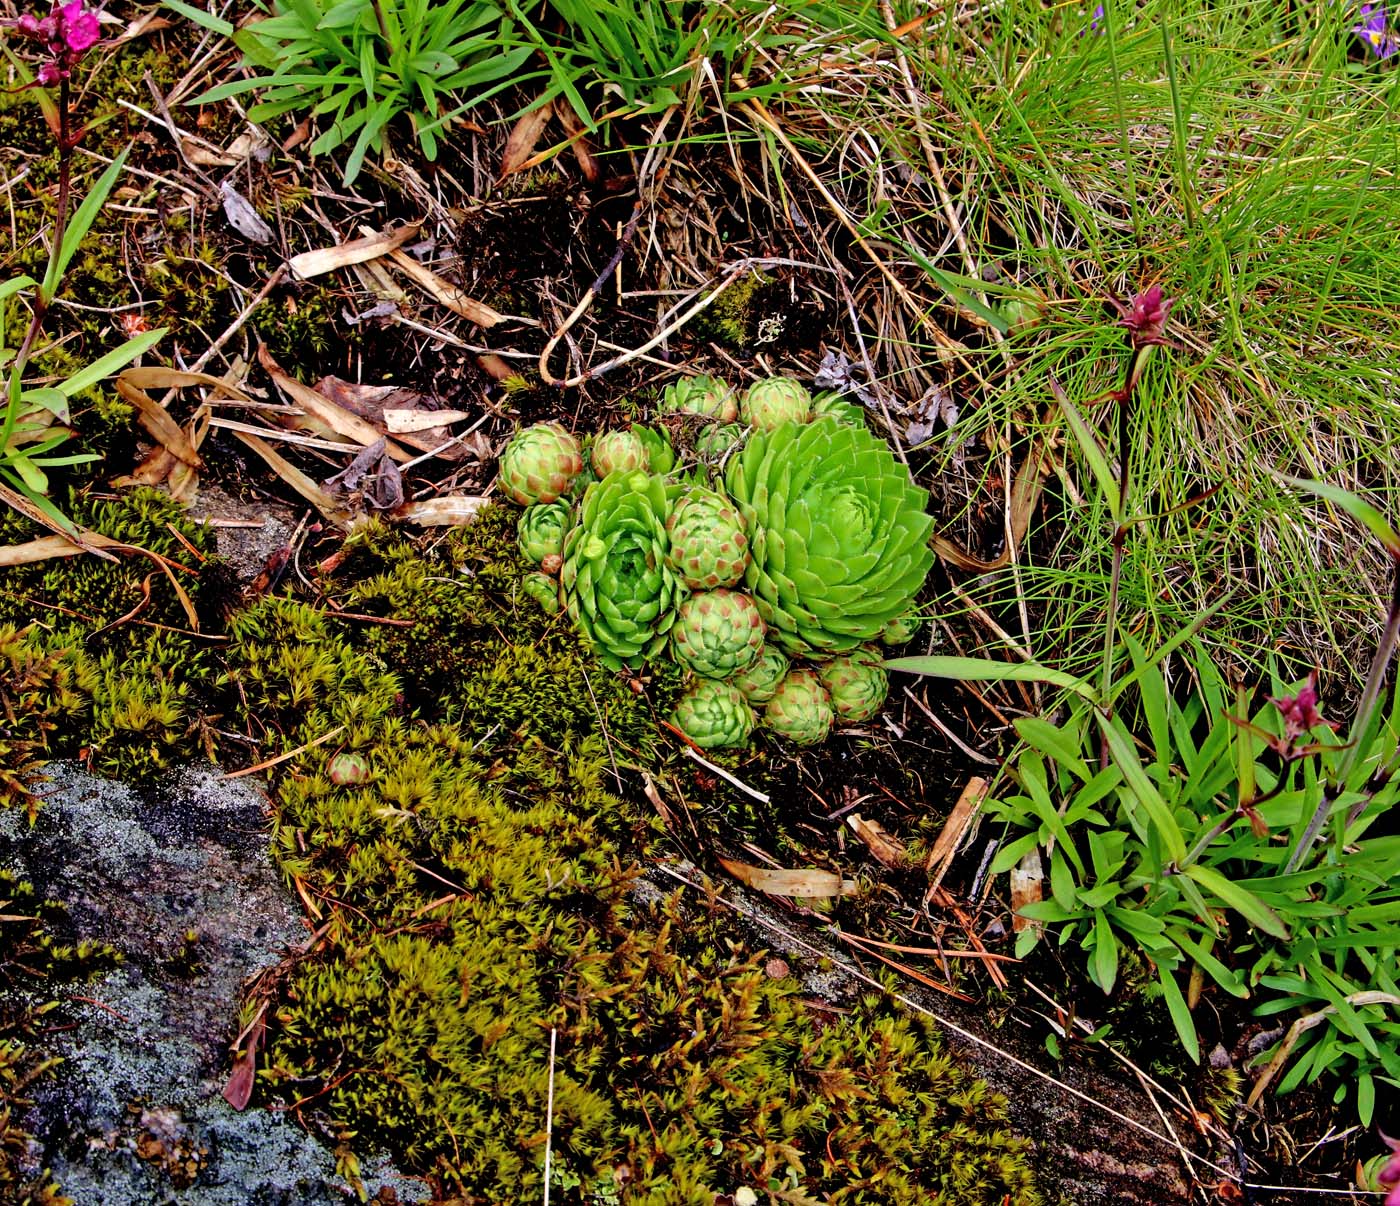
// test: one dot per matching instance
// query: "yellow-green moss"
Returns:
(733, 319)
(474, 892)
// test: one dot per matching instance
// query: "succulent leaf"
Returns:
(714, 714)
(800, 709)
(838, 534)
(717, 633)
(661, 457)
(614, 450)
(618, 586)
(540, 464)
(543, 589)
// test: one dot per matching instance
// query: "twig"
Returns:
(321, 740)
(549, 1114)
(726, 776)
(948, 733)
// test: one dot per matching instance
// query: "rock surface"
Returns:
(135, 1116)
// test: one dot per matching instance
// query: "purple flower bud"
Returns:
(50, 73)
(1145, 318)
(1300, 712)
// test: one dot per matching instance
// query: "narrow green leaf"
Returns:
(1359, 510)
(104, 366)
(1091, 448)
(984, 670)
(1126, 759)
(80, 223)
(1181, 1015)
(1243, 901)
(1052, 740)
(205, 20)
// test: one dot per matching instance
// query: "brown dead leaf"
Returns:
(356, 251)
(1027, 887)
(443, 291)
(580, 144)
(147, 23)
(336, 417)
(374, 402)
(495, 367)
(807, 881)
(524, 137)
(951, 835)
(886, 848)
(201, 155)
(298, 481)
(405, 421)
(157, 421)
(451, 510)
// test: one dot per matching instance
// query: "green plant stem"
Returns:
(1360, 724)
(41, 301)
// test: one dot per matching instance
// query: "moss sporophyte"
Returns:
(476, 875)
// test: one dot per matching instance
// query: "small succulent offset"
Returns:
(708, 545)
(541, 530)
(770, 403)
(701, 395)
(718, 633)
(800, 709)
(838, 533)
(540, 464)
(618, 588)
(812, 546)
(714, 715)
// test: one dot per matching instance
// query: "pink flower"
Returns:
(1389, 1176)
(1145, 318)
(1300, 713)
(80, 29)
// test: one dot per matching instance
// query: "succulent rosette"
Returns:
(661, 457)
(772, 402)
(800, 709)
(700, 395)
(857, 684)
(541, 528)
(540, 464)
(614, 450)
(902, 629)
(717, 633)
(838, 534)
(714, 714)
(618, 587)
(760, 681)
(708, 544)
(719, 439)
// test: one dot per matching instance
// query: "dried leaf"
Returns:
(373, 402)
(495, 367)
(580, 144)
(524, 137)
(886, 848)
(451, 510)
(242, 216)
(298, 481)
(810, 881)
(357, 251)
(1027, 881)
(148, 22)
(951, 835)
(336, 417)
(443, 291)
(199, 154)
(403, 420)
(156, 420)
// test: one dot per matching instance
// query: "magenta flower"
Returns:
(1300, 715)
(68, 32)
(1389, 1176)
(1145, 318)
(1374, 30)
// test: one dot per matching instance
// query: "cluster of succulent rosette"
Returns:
(766, 541)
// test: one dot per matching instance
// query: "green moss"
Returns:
(303, 329)
(733, 318)
(474, 892)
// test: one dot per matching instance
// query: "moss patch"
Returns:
(474, 892)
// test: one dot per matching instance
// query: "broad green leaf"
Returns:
(1103, 968)
(1053, 740)
(1229, 980)
(1365, 1098)
(984, 670)
(1152, 691)
(1240, 899)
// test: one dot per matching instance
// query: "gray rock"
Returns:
(135, 1115)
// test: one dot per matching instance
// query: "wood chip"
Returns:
(950, 837)
(399, 421)
(358, 251)
(1027, 887)
(808, 882)
(451, 510)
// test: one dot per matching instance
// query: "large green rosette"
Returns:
(618, 588)
(838, 534)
